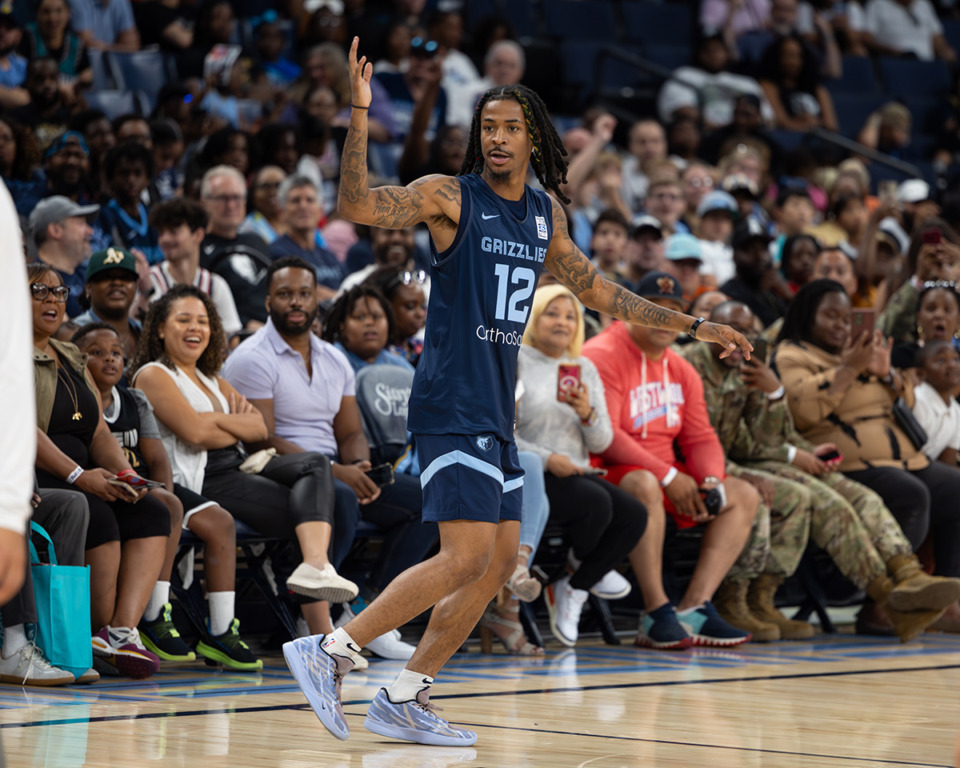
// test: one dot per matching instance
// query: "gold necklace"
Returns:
(72, 391)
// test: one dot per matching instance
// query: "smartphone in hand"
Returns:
(862, 321)
(568, 379)
(128, 489)
(382, 475)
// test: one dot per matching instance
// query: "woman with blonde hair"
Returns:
(562, 417)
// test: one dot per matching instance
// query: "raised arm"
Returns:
(574, 270)
(432, 199)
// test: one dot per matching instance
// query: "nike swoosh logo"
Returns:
(487, 217)
(353, 648)
(426, 681)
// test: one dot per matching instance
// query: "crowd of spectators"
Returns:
(204, 318)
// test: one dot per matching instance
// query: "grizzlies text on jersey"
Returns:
(480, 296)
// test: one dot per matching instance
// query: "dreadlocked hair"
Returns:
(548, 152)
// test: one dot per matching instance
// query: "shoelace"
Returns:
(120, 636)
(231, 638)
(34, 658)
(428, 707)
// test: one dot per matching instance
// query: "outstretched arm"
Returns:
(574, 270)
(432, 199)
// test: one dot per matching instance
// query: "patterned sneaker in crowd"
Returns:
(414, 720)
(161, 637)
(661, 629)
(119, 651)
(708, 629)
(229, 650)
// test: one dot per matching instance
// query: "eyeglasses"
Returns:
(41, 291)
(226, 199)
(702, 181)
(423, 48)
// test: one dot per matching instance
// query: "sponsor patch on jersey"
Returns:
(485, 443)
(541, 227)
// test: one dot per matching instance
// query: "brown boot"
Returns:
(916, 590)
(760, 602)
(949, 622)
(730, 601)
(907, 624)
(872, 620)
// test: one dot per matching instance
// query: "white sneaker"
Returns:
(613, 586)
(387, 646)
(29, 666)
(321, 584)
(564, 604)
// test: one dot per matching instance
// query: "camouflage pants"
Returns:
(776, 531)
(846, 519)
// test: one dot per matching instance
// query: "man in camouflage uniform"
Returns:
(849, 521)
(899, 316)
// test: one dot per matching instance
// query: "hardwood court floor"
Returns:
(838, 701)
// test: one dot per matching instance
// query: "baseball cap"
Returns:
(913, 191)
(659, 285)
(891, 226)
(747, 230)
(683, 246)
(111, 258)
(718, 200)
(334, 6)
(7, 17)
(50, 210)
(65, 138)
(646, 221)
(739, 182)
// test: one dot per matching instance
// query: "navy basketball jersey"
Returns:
(481, 291)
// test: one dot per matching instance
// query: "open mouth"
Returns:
(498, 158)
(51, 314)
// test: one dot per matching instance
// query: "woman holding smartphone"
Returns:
(128, 530)
(562, 417)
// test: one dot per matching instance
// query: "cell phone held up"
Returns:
(862, 321)
(568, 380)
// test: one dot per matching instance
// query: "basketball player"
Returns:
(491, 235)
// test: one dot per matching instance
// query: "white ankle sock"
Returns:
(158, 598)
(14, 638)
(407, 685)
(339, 643)
(221, 605)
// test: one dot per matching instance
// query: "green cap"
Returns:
(111, 258)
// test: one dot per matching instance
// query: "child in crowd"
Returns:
(609, 243)
(131, 420)
(793, 213)
(128, 168)
(936, 408)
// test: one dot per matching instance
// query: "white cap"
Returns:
(334, 6)
(913, 191)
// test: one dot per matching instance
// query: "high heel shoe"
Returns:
(508, 632)
(523, 585)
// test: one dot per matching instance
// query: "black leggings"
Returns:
(292, 489)
(923, 501)
(601, 522)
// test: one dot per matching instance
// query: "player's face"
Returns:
(504, 139)
(292, 301)
(104, 357)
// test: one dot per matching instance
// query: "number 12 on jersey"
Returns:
(526, 280)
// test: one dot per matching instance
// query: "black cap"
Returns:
(747, 230)
(7, 16)
(659, 285)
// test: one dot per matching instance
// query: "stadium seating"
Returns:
(651, 23)
(906, 77)
(114, 103)
(576, 20)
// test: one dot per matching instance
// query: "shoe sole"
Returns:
(931, 597)
(412, 734)
(550, 600)
(45, 682)
(88, 678)
(163, 656)
(212, 654)
(612, 595)
(127, 665)
(327, 717)
(330, 594)
(705, 641)
(673, 645)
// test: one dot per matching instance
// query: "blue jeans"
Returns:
(536, 507)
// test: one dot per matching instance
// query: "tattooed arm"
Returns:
(574, 270)
(431, 199)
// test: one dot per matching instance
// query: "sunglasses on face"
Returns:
(41, 291)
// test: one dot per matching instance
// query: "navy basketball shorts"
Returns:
(469, 477)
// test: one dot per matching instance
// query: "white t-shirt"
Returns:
(208, 282)
(713, 93)
(909, 30)
(940, 420)
(717, 261)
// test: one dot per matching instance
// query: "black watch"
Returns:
(692, 333)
